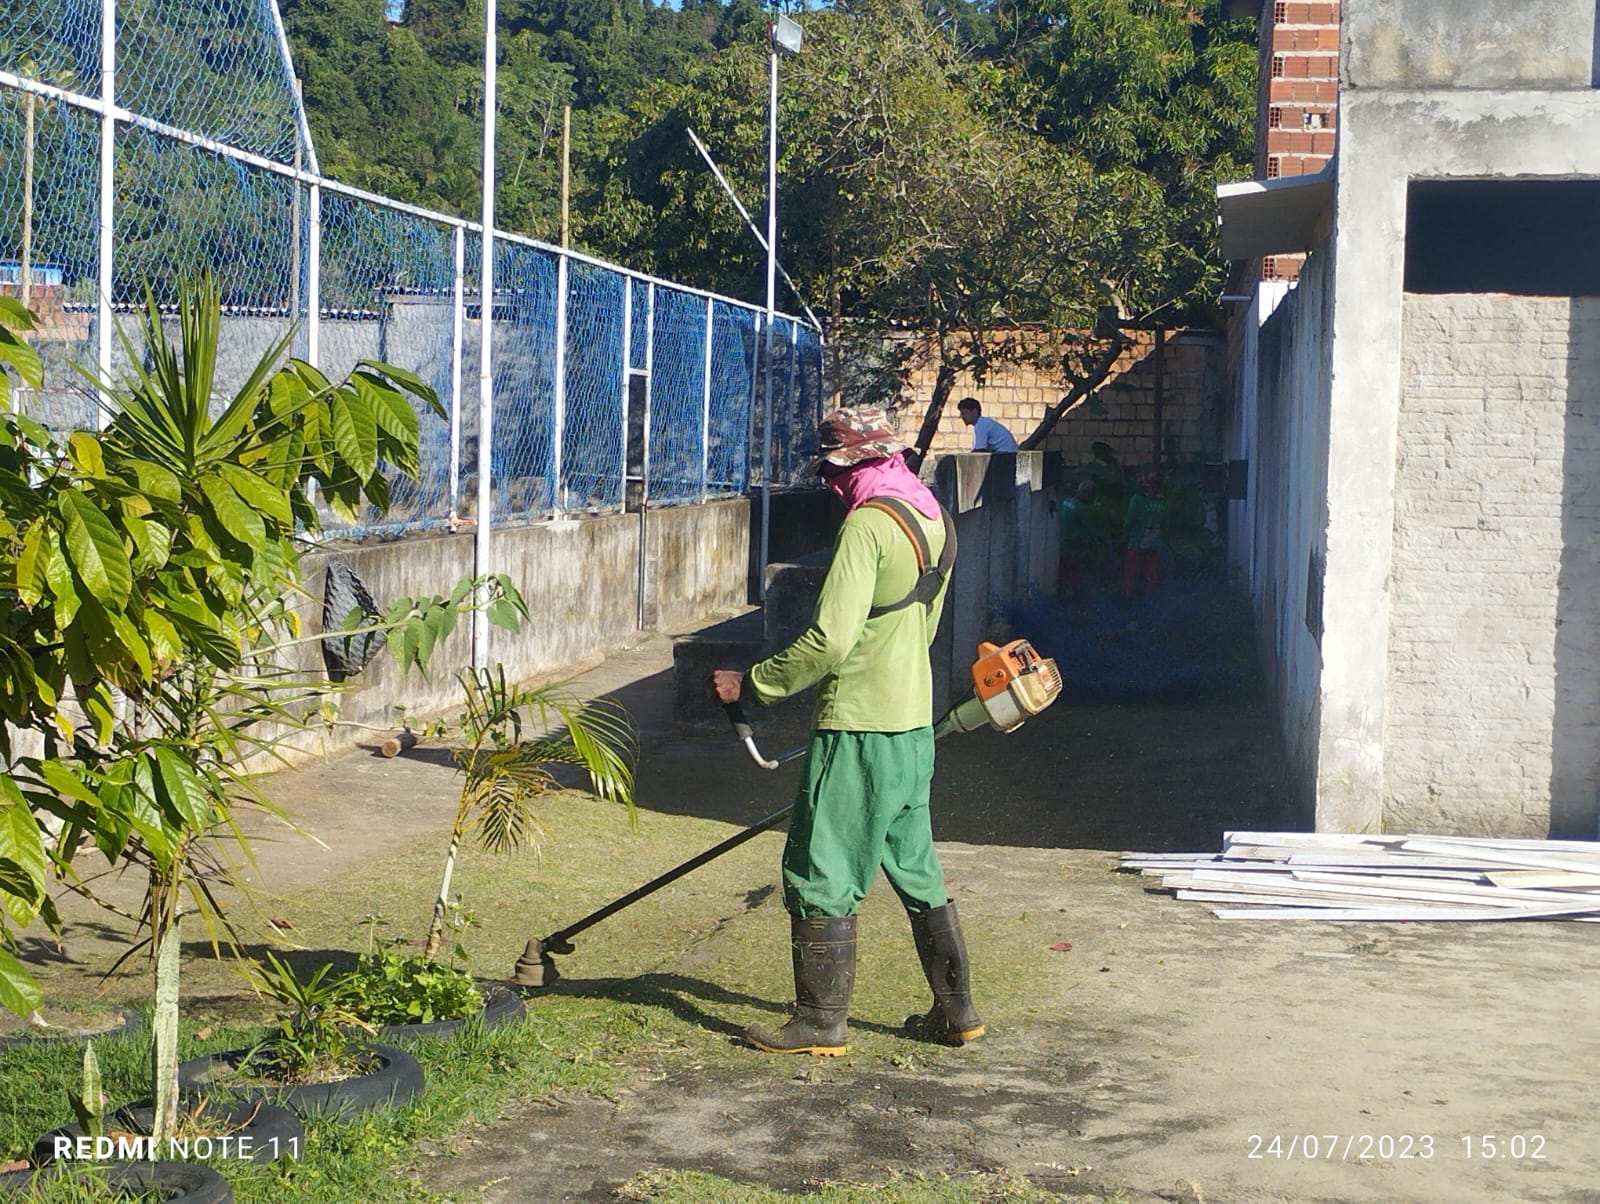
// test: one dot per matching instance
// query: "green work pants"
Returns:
(863, 803)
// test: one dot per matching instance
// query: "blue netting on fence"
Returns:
(639, 326)
(388, 293)
(212, 67)
(182, 211)
(387, 286)
(733, 349)
(799, 448)
(677, 397)
(49, 217)
(592, 417)
(524, 369)
(53, 42)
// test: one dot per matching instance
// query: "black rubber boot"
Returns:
(824, 972)
(952, 1020)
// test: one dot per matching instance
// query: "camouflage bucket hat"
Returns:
(856, 433)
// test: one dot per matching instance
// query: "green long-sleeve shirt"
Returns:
(875, 673)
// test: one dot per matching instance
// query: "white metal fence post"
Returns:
(482, 547)
(108, 156)
(458, 324)
(314, 278)
(563, 284)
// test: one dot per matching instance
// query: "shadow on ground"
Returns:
(1161, 741)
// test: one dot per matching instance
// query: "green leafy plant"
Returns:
(89, 1102)
(503, 773)
(155, 563)
(317, 1035)
(392, 985)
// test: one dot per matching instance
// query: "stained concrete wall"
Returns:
(1494, 633)
(1283, 519)
(1486, 124)
(580, 577)
(1448, 44)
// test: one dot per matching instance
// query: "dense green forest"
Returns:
(958, 167)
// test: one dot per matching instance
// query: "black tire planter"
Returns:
(128, 1022)
(192, 1182)
(501, 1006)
(275, 1133)
(396, 1080)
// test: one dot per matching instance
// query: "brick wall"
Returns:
(1018, 396)
(1298, 104)
(1493, 711)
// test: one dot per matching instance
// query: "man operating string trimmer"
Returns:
(863, 796)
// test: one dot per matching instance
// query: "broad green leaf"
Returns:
(157, 481)
(355, 433)
(16, 315)
(96, 551)
(391, 409)
(130, 638)
(21, 843)
(63, 781)
(31, 582)
(20, 890)
(86, 454)
(503, 614)
(410, 380)
(184, 789)
(21, 357)
(152, 542)
(18, 991)
(58, 573)
(258, 492)
(235, 515)
(164, 642)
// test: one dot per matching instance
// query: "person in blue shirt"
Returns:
(987, 434)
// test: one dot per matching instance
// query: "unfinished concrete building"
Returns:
(1421, 418)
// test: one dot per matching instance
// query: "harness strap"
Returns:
(930, 579)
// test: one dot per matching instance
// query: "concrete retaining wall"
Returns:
(581, 578)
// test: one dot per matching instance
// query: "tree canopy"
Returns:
(962, 169)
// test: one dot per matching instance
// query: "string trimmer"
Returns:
(1010, 683)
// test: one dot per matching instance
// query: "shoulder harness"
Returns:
(930, 578)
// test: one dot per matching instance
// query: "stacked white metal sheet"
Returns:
(1320, 876)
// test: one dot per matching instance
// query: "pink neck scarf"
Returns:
(887, 477)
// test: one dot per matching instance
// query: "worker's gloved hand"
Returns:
(727, 685)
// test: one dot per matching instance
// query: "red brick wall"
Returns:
(1298, 107)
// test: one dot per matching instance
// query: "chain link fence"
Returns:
(609, 388)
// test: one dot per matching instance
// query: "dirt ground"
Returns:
(1164, 1054)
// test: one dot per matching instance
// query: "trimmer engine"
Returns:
(1009, 684)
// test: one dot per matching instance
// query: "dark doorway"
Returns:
(1533, 238)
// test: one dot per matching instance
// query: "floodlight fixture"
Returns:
(786, 36)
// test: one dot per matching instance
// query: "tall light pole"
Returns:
(785, 36)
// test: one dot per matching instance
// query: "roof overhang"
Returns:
(1275, 217)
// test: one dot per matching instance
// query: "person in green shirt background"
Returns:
(1082, 549)
(1144, 529)
(863, 796)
